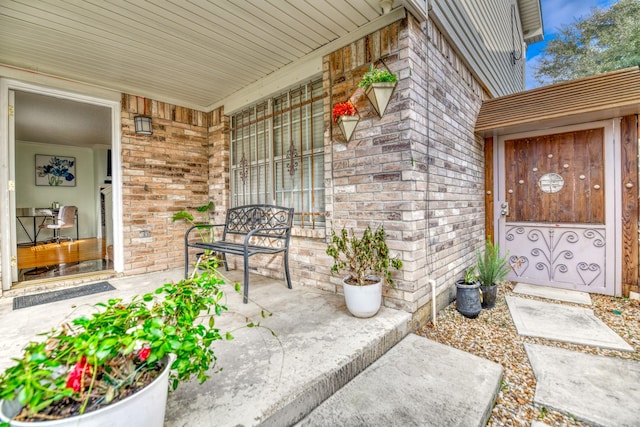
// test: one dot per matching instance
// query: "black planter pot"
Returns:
(489, 294)
(468, 299)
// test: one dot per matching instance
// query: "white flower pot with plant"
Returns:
(368, 262)
(90, 367)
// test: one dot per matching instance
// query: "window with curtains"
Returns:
(277, 154)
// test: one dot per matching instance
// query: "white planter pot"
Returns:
(144, 408)
(348, 125)
(363, 301)
(379, 95)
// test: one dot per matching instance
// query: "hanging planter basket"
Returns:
(348, 125)
(379, 95)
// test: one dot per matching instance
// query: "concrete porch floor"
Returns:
(270, 380)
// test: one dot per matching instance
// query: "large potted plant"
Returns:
(492, 269)
(378, 85)
(368, 262)
(468, 294)
(115, 367)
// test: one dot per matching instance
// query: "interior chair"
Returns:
(66, 219)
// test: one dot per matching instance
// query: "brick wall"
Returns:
(370, 178)
(447, 98)
(219, 151)
(161, 174)
(418, 170)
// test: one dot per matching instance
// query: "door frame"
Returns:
(6, 147)
(613, 214)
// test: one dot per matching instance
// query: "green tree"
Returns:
(606, 40)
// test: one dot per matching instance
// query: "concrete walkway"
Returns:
(599, 390)
(319, 348)
(563, 323)
(417, 383)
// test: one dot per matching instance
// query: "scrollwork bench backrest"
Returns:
(273, 222)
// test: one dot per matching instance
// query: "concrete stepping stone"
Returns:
(418, 382)
(599, 390)
(563, 323)
(565, 295)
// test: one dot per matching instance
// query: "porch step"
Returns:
(276, 381)
(417, 383)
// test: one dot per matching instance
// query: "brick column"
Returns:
(161, 174)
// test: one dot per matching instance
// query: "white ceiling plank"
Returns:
(216, 38)
(278, 19)
(245, 28)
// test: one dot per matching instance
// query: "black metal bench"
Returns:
(266, 230)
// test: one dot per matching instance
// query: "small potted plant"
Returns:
(344, 113)
(368, 263)
(116, 363)
(468, 294)
(492, 269)
(378, 85)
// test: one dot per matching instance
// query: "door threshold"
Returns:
(61, 282)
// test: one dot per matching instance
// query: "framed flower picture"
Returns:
(55, 171)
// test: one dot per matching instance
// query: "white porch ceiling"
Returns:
(194, 53)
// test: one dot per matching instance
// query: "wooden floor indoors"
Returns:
(53, 259)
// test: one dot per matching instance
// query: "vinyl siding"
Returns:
(482, 34)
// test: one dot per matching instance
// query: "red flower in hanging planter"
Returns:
(343, 109)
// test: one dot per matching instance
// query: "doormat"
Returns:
(47, 297)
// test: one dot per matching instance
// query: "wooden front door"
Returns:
(553, 211)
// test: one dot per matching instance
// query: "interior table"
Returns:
(38, 216)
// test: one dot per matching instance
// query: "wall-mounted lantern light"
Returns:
(143, 125)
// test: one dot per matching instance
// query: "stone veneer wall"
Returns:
(161, 174)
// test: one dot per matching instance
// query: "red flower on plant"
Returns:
(343, 109)
(82, 368)
(144, 353)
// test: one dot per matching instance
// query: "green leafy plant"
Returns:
(492, 268)
(96, 360)
(376, 75)
(188, 217)
(362, 257)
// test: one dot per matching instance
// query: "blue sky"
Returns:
(554, 14)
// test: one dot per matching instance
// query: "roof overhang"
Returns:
(531, 18)
(597, 97)
(197, 54)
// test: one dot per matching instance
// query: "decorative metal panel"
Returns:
(568, 256)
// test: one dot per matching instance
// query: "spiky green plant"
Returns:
(491, 267)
